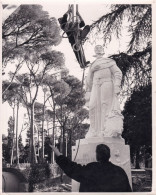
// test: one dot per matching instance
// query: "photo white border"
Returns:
(153, 3)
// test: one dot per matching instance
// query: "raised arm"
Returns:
(72, 169)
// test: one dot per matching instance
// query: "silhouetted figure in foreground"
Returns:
(100, 176)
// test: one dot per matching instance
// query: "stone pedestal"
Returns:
(120, 154)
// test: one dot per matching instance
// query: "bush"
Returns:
(38, 173)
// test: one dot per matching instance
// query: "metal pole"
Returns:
(72, 13)
(76, 12)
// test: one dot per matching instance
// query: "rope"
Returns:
(77, 43)
(82, 83)
(79, 48)
(75, 29)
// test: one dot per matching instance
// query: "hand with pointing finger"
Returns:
(56, 151)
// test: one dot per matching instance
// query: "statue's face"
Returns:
(98, 49)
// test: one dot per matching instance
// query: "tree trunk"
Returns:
(137, 166)
(32, 149)
(70, 144)
(12, 149)
(17, 152)
(64, 144)
(53, 136)
(43, 129)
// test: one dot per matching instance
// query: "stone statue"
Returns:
(102, 89)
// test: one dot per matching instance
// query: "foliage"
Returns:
(7, 141)
(27, 35)
(38, 173)
(67, 101)
(69, 108)
(79, 132)
(21, 149)
(135, 62)
(139, 25)
(28, 28)
(138, 121)
(30, 81)
(6, 150)
(26, 155)
(11, 94)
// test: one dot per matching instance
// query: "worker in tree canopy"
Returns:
(75, 35)
(100, 176)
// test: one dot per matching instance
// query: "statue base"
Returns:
(85, 152)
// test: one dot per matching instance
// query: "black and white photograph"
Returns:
(76, 97)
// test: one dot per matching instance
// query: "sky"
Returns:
(90, 12)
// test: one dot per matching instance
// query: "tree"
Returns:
(38, 67)
(42, 115)
(135, 62)
(138, 121)
(28, 83)
(21, 149)
(67, 101)
(28, 28)
(7, 147)
(69, 109)
(13, 98)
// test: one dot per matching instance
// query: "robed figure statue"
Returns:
(102, 89)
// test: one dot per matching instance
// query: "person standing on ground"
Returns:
(100, 176)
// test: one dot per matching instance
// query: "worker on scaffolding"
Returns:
(75, 34)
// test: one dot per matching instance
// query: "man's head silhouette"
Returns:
(102, 153)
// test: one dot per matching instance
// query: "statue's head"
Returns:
(102, 153)
(99, 50)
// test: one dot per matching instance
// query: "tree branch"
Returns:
(17, 69)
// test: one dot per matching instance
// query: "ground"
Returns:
(142, 182)
(54, 185)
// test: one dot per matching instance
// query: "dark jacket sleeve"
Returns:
(72, 169)
(129, 189)
(125, 182)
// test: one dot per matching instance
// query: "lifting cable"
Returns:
(76, 47)
(82, 83)
(81, 60)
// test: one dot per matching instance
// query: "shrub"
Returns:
(38, 173)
